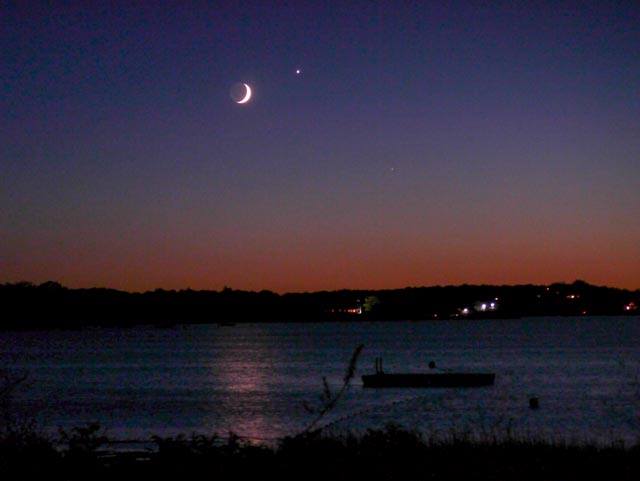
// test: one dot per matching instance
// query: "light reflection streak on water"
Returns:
(252, 379)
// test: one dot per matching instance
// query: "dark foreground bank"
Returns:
(388, 454)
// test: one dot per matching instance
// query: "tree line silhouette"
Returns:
(25, 305)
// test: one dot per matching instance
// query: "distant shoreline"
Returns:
(51, 305)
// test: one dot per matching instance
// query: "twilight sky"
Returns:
(424, 143)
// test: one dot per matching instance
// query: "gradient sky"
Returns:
(424, 143)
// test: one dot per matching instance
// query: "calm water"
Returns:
(253, 379)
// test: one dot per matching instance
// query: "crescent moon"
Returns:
(247, 96)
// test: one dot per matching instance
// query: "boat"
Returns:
(443, 379)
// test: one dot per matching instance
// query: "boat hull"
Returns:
(428, 380)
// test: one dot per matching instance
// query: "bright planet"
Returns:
(393, 266)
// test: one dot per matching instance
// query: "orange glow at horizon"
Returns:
(329, 268)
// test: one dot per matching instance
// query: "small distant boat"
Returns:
(382, 379)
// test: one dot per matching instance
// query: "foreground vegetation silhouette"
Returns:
(391, 453)
(378, 454)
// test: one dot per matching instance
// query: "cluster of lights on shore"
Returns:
(481, 307)
(493, 305)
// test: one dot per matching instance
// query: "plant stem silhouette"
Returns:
(328, 399)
